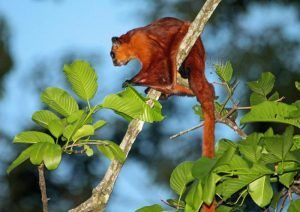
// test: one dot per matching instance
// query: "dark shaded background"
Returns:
(256, 36)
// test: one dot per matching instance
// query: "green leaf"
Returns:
(286, 178)
(75, 116)
(82, 78)
(130, 103)
(297, 85)
(264, 85)
(85, 130)
(60, 101)
(31, 137)
(271, 112)
(238, 163)
(256, 98)
(112, 151)
(56, 127)
(252, 153)
(194, 196)
(209, 188)
(99, 124)
(294, 206)
(68, 131)
(44, 117)
(274, 96)
(88, 150)
(52, 156)
(36, 156)
(223, 145)
(230, 186)
(224, 71)
(198, 111)
(176, 204)
(280, 145)
(202, 167)
(151, 208)
(47, 152)
(261, 191)
(181, 176)
(223, 208)
(20, 159)
(50, 153)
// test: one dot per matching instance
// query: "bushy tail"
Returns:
(206, 98)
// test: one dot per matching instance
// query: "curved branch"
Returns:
(102, 192)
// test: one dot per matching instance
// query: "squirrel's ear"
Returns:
(115, 40)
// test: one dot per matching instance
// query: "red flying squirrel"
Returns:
(156, 46)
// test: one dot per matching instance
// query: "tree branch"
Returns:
(42, 184)
(102, 192)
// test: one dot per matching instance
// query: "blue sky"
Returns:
(46, 30)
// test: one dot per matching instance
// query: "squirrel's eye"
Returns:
(112, 54)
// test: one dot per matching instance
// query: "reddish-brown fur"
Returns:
(156, 46)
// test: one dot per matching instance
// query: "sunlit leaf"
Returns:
(181, 176)
(194, 196)
(75, 116)
(99, 124)
(50, 153)
(271, 112)
(68, 131)
(224, 71)
(52, 156)
(130, 103)
(209, 188)
(23, 156)
(60, 101)
(37, 153)
(261, 191)
(112, 151)
(151, 208)
(82, 78)
(88, 150)
(32, 137)
(56, 127)
(44, 117)
(85, 130)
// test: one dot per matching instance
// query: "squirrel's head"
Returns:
(120, 52)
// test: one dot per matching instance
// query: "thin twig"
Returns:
(219, 119)
(42, 184)
(186, 131)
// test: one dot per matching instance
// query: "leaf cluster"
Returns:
(69, 128)
(253, 167)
